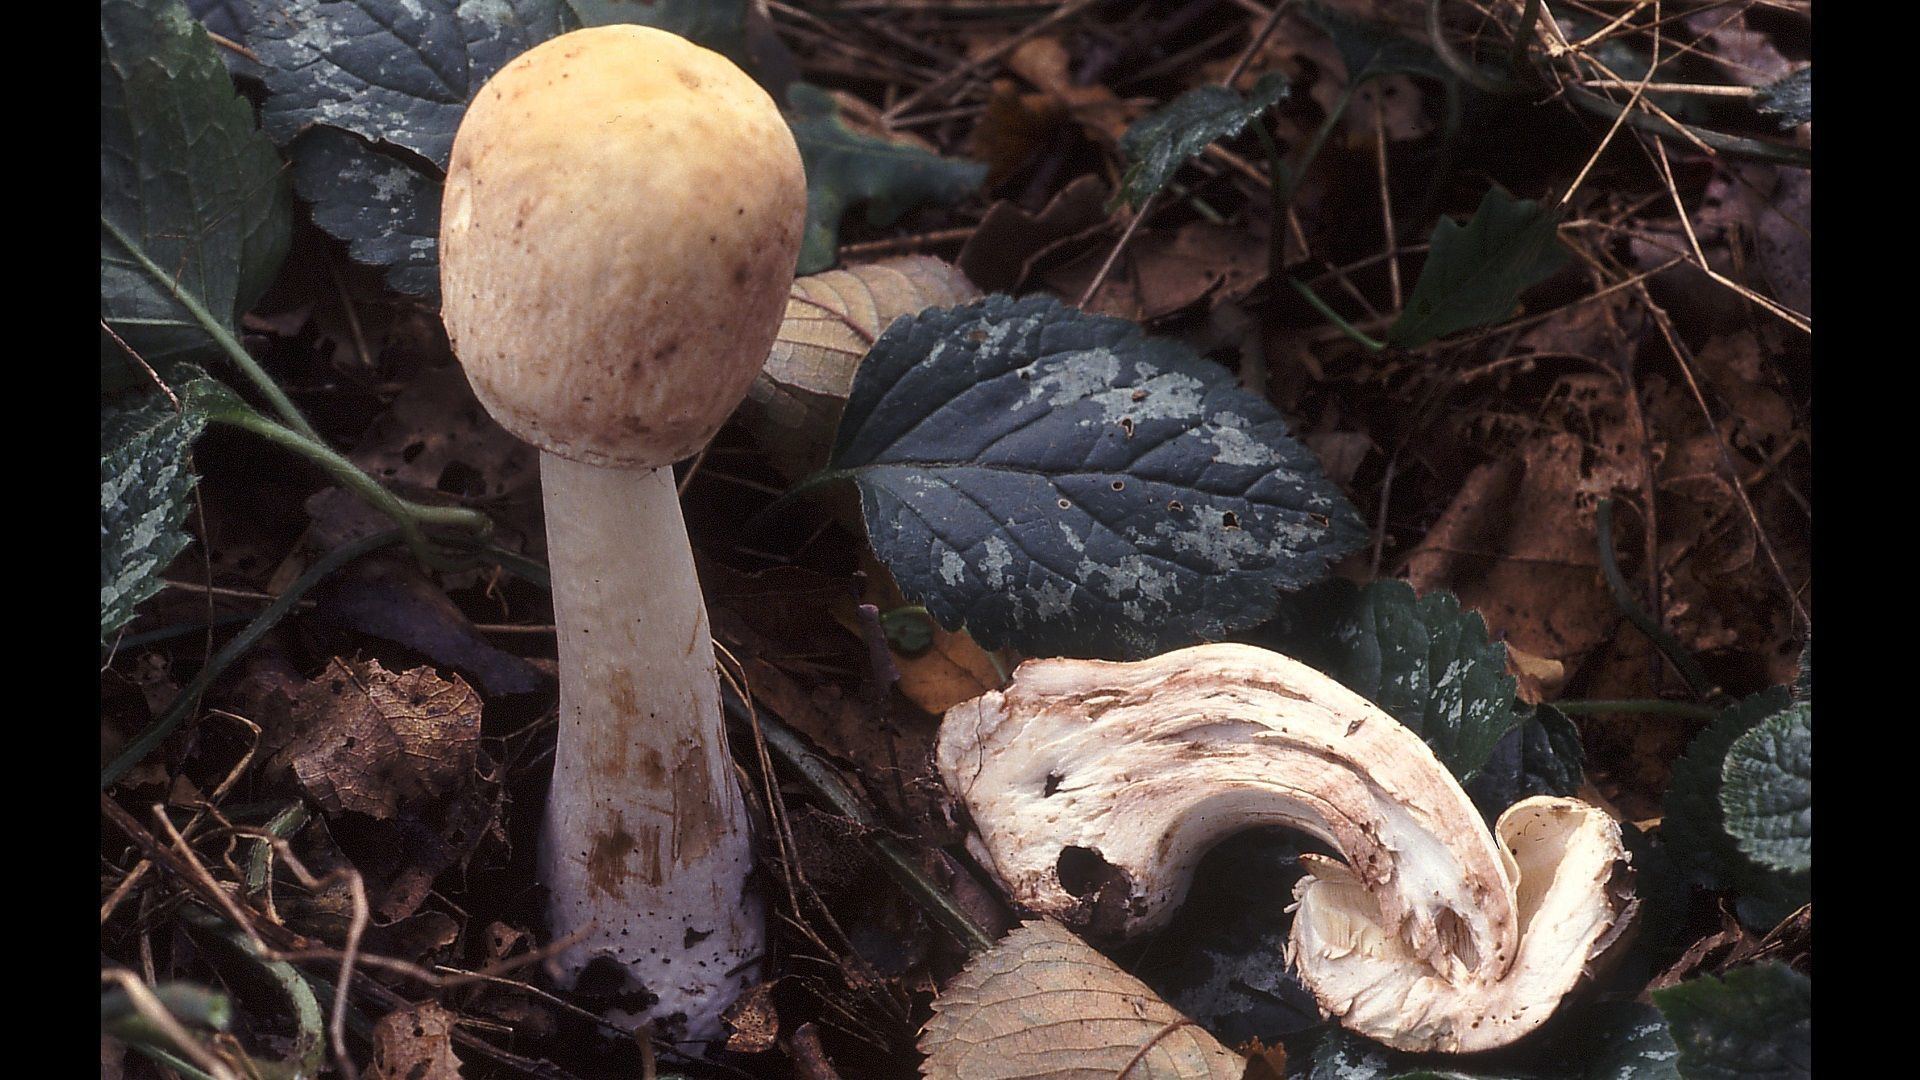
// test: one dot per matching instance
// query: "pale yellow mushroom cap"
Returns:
(622, 216)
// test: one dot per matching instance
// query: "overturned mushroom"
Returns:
(1096, 788)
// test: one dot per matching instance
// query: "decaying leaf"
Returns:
(415, 1044)
(1009, 242)
(374, 740)
(1043, 1005)
(832, 320)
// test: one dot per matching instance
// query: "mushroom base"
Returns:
(645, 848)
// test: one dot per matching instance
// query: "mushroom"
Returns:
(621, 221)
(1096, 787)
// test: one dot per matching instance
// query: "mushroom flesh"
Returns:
(620, 224)
(1096, 787)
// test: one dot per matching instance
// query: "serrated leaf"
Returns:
(1693, 826)
(1766, 790)
(385, 206)
(1756, 1023)
(146, 480)
(1222, 958)
(1043, 1005)
(1789, 99)
(1541, 755)
(1162, 141)
(832, 319)
(1061, 483)
(1475, 273)
(395, 71)
(1370, 50)
(193, 210)
(1423, 659)
(719, 25)
(845, 167)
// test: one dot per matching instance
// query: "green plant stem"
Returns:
(189, 1004)
(410, 516)
(1641, 706)
(157, 732)
(172, 1061)
(217, 330)
(1333, 317)
(309, 1052)
(895, 858)
(1623, 598)
(1734, 145)
(283, 825)
(1284, 192)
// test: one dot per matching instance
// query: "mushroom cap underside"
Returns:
(1096, 787)
(619, 229)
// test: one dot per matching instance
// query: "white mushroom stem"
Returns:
(1097, 787)
(646, 849)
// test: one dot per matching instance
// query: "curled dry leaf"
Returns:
(415, 1044)
(374, 741)
(1096, 787)
(1044, 1005)
(831, 321)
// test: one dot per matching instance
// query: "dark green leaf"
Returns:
(1803, 682)
(1221, 960)
(1766, 790)
(1370, 50)
(384, 205)
(845, 167)
(193, 210)
(1475, 273)
(1162, 141)
(719, 25)
(1694, 826)
(1789, 99)
(1422, 659)
(1061, 483)
(395, 71)
(145, 480)
(1755, 1024)
(1588, 1041)
(1539, 756)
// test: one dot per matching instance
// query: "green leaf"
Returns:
(395, 71)
(1475, 273)
(385, 206)
(1693, 826)
(1541, 755)
(845, 167)
(1766, 790)
(1423, 659)
(1370, 50)
(1588, 1041)
(1789, 99)
(1756, 1023)
(719, 25)
(146, 479)
(195, 219)
(1162, 141)
(1062, 483)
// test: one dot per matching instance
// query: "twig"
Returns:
(1623, 598)
(1064, 12)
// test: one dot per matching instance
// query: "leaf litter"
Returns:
(1475, 463)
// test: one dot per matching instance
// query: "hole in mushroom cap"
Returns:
(1081, 870)
(1052, 785)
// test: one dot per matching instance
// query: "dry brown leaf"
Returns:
(1540, 678)
(1161, 272)
(1015, 128)
(373, 741)
(754, 1020)
(1043, 1005)
(832, 319)
(415, 1044)
(954, 667)
(1009, 241)
(1044, 62)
